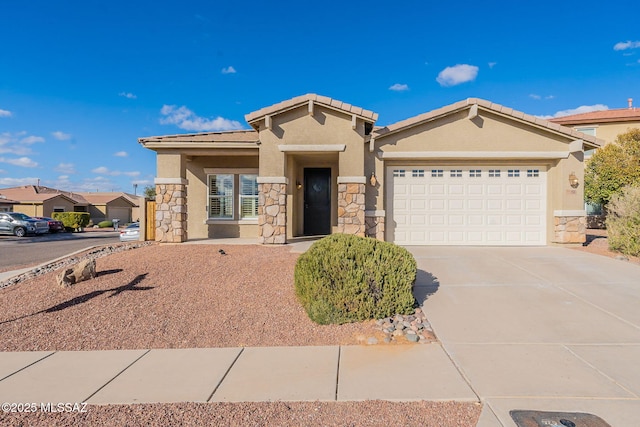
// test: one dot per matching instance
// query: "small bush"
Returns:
(105, 224)
(623, 221)
(72, 220)
(345, 278)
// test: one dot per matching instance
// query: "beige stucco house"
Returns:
(110, 206)
(470, 173)
(37, 200)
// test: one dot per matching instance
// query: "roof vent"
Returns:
(630, 101)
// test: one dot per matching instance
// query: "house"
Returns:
(470, 173)
(6, 205)
(605, 124)
(109, 206)
(37, 200)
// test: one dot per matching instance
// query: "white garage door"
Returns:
(477, 205)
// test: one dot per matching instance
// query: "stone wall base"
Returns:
(374, 227)
(570, 229)
(272, 213)
(171, 213)
(351, 209)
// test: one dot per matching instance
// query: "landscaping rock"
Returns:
(84, 270)
(372, 341)
(412, 338)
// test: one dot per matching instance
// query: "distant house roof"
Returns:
(604, 116)
(40, 194)
(106, 198)
(491, 107)
(310, 99)
(230, 139)
(5, 201)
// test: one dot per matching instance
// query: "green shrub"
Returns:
(623, 221)
(72, 220)
(105, 224)
(345, 278)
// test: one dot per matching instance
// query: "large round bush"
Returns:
(345, 278)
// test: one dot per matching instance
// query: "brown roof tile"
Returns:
(604, 116)
(248, 136)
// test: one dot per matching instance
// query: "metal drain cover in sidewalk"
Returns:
(556, 419)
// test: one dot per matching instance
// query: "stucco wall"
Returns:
(609, 131)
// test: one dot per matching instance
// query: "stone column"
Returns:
(171, 210)
(351, 205)
(569, 227)
(272, 210)
(374, 221)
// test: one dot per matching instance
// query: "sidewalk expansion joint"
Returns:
(338, 372)
(117, 375)
(460, 371)
(225, 375)
(29, 365)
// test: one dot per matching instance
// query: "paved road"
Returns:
(30, 250)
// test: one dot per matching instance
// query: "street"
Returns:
(31, 250)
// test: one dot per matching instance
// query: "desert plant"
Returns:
(623, 221)
(72, 221)
(345, 278)
(105, 224)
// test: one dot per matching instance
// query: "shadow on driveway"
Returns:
(426, 285)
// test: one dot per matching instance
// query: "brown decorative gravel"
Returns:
(369, 413)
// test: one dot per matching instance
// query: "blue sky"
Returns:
(80, 81)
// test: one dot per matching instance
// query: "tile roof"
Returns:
(34, 193)
(105, 198)
(304, 99)
(249, 136)
(603, 116)
(488, 106)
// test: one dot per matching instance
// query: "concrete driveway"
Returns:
(542, 328)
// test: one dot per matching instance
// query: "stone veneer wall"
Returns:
(272, 213)
(351, 208)
(570, 229)
(171, 213)
(374, 226)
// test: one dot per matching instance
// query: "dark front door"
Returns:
(317, 201)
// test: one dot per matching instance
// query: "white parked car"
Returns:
(131, 233)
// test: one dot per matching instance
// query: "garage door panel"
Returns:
(479, 205)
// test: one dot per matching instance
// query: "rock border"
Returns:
(413, 327)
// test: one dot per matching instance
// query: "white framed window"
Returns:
(513, 173)
(398, 173)
(221, 196)
(248, 196)
(533, 173)
(58, 209)
(455, 173)
(475, 173)
(417, 173)
(494, 173)
(437, 173)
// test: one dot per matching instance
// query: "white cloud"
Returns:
(16, 182)
(3, 171)
(121, 154)
(580, 110)
(24, 162)
(492, 64)
(188, 120)
(626, 45)
(127, 95)
(61, 136)
(5, 113)
(549, 97)
(102, 170)
(65, 168)
(534, 96)
(460, 73)
(31, 139)
(229, 70)
(399, 87)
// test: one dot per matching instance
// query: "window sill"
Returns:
(230, 221)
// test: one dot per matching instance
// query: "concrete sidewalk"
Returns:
(331, 373)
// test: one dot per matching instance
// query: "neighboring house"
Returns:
(470, 173)
(605, 125)
(37, 200)
(6, 205)
(110, 206)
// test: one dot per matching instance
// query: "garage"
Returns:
(467, 205)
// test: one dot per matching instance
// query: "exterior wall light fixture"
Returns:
(573, 180)
(373, 180)
(298, 185)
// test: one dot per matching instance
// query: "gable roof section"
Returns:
(603, 116)
(230, 139)
(482, 104)
(5, 201)
(106, 198)
(310, 98)
(40, 194)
